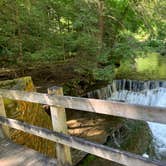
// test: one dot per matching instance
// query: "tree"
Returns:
(94, 33)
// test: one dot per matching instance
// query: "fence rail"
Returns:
(132, 111)
(140, 112)
(105, 152)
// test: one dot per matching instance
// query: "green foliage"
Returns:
(86, 162)
(44, 55)
(106, 73)
(154, 43)
(96, 35)
(126, 47)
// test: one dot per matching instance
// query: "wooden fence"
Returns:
(58, 102)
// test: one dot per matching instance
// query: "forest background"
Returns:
(95, 36)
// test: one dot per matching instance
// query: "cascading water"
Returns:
(130, 85)
(155, 97)
(152, 93)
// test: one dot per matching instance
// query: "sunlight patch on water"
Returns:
(151, 66)
(153, 63)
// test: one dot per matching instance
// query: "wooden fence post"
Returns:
(58, 117)
(4, 130)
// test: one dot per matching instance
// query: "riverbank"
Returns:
(46, 75)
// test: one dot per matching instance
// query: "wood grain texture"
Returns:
(12, 154)
(4, 130)
(99, 150)
(58, 116)
(139, 112)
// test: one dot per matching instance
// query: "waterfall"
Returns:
(130, 85)
(152, 93)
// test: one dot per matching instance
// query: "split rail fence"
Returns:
(58, 103)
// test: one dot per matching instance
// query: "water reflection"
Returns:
(153, 66)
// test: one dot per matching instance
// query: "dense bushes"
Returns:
(97, 34)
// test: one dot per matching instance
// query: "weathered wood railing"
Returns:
(64, 141)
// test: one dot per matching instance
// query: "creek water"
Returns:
(151, 66)
(152, 93)
(151, 97)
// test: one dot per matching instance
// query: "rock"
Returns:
(133, 136)
(29, 112)
(163, 52)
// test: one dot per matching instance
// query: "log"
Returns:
(99, 150)
(58, 116)
(131, 111)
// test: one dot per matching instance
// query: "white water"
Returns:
(155, 97)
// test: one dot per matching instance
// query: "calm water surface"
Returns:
(150, 67)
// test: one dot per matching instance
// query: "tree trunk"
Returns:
(101, 24)
(20, 51)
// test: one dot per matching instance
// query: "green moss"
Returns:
(31, 113)
(134, 136)
(88, 159)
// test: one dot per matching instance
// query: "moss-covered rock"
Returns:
(129, 135)
(133, 136)
(28, 112)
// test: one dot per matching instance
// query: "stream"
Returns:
(145, 84)
(151, 67)
(151, 97)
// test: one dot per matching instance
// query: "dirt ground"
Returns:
(43, 74)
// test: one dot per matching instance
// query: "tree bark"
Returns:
(101, 23)
(20, 50)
